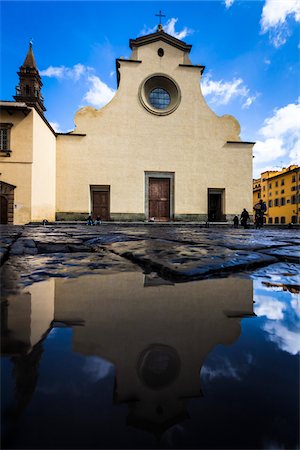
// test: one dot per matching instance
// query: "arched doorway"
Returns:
(7, 203)
(3, 209)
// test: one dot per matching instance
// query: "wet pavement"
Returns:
(149, 337)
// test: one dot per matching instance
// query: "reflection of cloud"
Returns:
(223, 370)
(286, 339)
(281, 309)
(269, 307)
(97, 368)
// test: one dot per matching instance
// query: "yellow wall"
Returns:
(17, 169)
(124, 140)
(43, 171)
(31, 166)
(285, 191)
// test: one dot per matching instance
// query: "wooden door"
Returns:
(101, 205)
(159, 199)
(215, 207)
(3, 209)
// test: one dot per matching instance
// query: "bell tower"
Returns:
(30, 84)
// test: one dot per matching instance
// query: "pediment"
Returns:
(160, 36)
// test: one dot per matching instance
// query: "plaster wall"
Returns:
(113, 302)
(17, 169)
(43, 171)
(123, 141)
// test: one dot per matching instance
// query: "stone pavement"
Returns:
(34, 253)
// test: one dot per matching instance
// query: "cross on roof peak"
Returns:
(160, 15)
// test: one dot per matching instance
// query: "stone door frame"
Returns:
(171, 177)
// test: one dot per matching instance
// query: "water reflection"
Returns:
(156, 335)
(283, 314)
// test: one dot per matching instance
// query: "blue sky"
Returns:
(250, 50)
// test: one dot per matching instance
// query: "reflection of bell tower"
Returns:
(30, 84)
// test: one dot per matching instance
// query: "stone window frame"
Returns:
(164, 81)
(5, 127)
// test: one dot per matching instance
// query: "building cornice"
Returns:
(194, 66)
(240, 142)
(22, 106)
(160, 36)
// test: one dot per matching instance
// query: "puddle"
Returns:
(127, 360)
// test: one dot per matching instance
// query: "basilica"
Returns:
(155, 152)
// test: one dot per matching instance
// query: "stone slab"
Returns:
(290, 253)
(20, 271)
(187, 262)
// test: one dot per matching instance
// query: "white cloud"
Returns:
(169, 27)
(222, 92)
(268, 150)
(55, 126)
(112, 73)
(269, 307)
(284, 121)
(62, 72)
(99, 93)
(281, 133)
(287, 340)
(249, 101)
(228, 3)
(274, 19)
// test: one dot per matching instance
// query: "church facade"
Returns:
(155, 152)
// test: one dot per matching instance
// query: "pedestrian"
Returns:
(98, 221)
(235, 222)
(90, 220)
(244, 218)
(260, 208)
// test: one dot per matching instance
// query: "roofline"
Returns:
(160, 35)
(195, 66)
(25, 107)
(118, 60)
(70, 134)
(296, 169)
(241, 142)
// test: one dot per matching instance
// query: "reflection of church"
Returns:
(158, 337)
(156, 150)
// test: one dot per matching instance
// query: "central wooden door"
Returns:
(100, 205)
(159, 199)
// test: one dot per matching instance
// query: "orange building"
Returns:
(280, 191)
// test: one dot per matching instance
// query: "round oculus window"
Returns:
(159, 94)
(159, 98)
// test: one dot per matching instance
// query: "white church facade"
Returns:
(155, 151)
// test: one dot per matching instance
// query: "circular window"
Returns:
(160, 52)
(159, 98)
(158, 366)
(159, 94)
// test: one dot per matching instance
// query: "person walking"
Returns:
(244, 218)
(235, 222)
(260, 208)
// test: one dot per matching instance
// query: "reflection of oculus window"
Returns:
(159, 98)
(158, 366)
